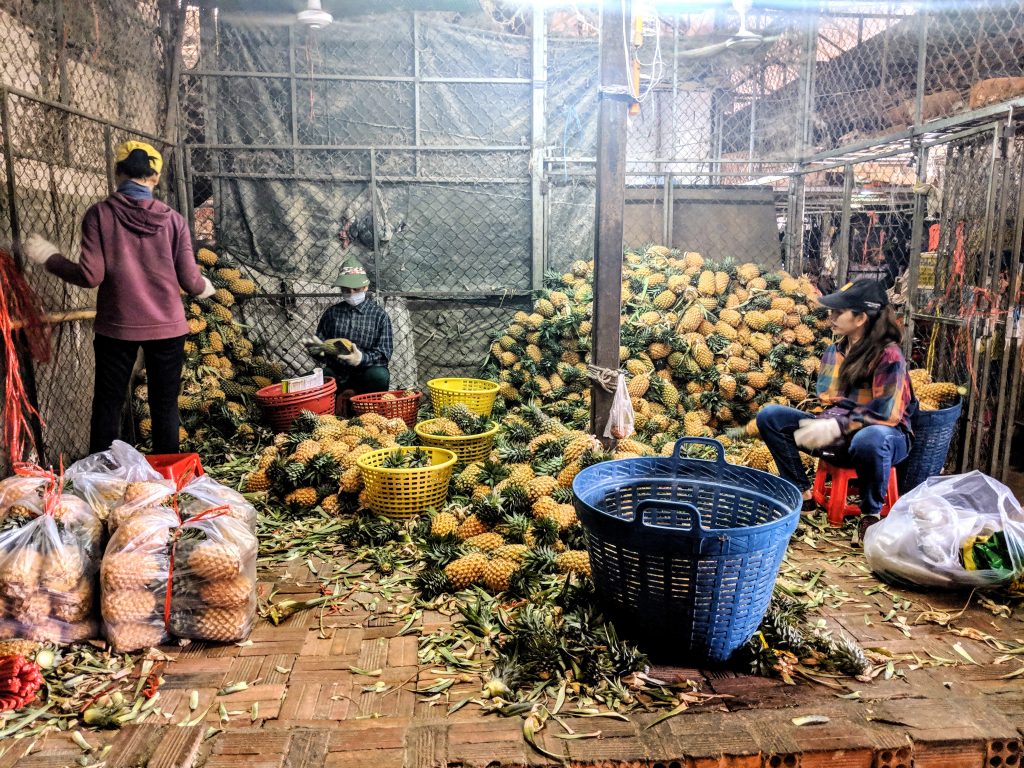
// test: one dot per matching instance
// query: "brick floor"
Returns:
(306, 706)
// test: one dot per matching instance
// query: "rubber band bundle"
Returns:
(50, 547)
(184, 570)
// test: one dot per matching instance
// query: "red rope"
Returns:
(206, 514)
(54, 485)
(20, 680)
(19, 303)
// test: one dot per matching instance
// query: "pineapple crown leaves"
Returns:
(545, 531)
(490, 508)
(407, 437)
(510, 452)
(305, 422)
(492, 473)
(439, 552)
(515, 499)
(516, 527)
(322, 469)
(432, 582)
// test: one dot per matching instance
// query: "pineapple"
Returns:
(443, 524)
(486, 542)
(498, 572)
(794, 392)
(206, 257)
(574, 561)
(466, 570)
(257, 481)
(301, 497)
(470, 527)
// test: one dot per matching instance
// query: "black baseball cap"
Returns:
(860, 296)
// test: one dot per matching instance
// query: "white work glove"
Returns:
(314, 346)
(817, 433)
(354, 358)
(208, 289)
(38, 249)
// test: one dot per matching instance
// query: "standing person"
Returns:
(138, 251)
(866, 391)
(365, 324)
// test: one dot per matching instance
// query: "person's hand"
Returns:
(38, 249)
(817, 433)
(353, 358)
(208, 289)
(314, 346)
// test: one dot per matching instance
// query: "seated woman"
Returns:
(868, 399)
(364, 323)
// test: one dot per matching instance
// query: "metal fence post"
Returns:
(975, 329)
(538, 130)
(844, 226)
(916, 236)
(609, 208)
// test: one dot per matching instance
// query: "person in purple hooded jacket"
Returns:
(138, 252)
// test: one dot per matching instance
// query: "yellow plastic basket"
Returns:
(477, 394)
(402, 493)
(467, 447)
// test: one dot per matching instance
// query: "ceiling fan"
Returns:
(742, 41)
(314, 16)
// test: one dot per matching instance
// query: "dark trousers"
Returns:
(115, 360)
(873, 451)
(372, 378)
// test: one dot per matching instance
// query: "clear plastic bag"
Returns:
(163, 577)
(118, 483)
(621, 418)
(204, 492)
(50, 547)
(930, 534)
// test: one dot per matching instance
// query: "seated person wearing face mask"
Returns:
(364, 323)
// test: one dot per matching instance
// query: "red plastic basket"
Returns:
(175, 465)
(402, 406)
(280, 409)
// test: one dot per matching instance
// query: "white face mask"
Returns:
(355, 299)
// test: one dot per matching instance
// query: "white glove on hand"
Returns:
(208, 289)
(38, 249)
(314, 346)
(354, 358)
(817, 433)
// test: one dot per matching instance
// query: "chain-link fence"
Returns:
(455, 156)
(76, 79)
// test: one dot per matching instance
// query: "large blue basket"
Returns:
(685, 552)
(933, 432)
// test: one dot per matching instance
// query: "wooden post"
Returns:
(610, 203)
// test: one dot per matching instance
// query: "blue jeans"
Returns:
(873, 451)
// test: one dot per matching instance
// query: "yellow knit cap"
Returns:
(125, 149)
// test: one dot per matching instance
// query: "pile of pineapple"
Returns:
(510, 521)
(222, 372)
(704, 345)
(315, 463)
(934, 395)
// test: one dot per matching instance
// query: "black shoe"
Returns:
(809, 505)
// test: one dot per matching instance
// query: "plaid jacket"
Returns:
(366, 325)
(885, 402)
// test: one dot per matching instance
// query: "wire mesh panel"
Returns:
(76, 79)
(403, 141)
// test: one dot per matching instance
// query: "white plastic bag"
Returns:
(118, 483)
(922, 540)
(50, 544)
(620, 418)
(162, 577)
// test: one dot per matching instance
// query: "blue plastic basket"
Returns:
(933, 432)
(684, 552)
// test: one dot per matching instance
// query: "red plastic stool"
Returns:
(174, 465)
(832, 486)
